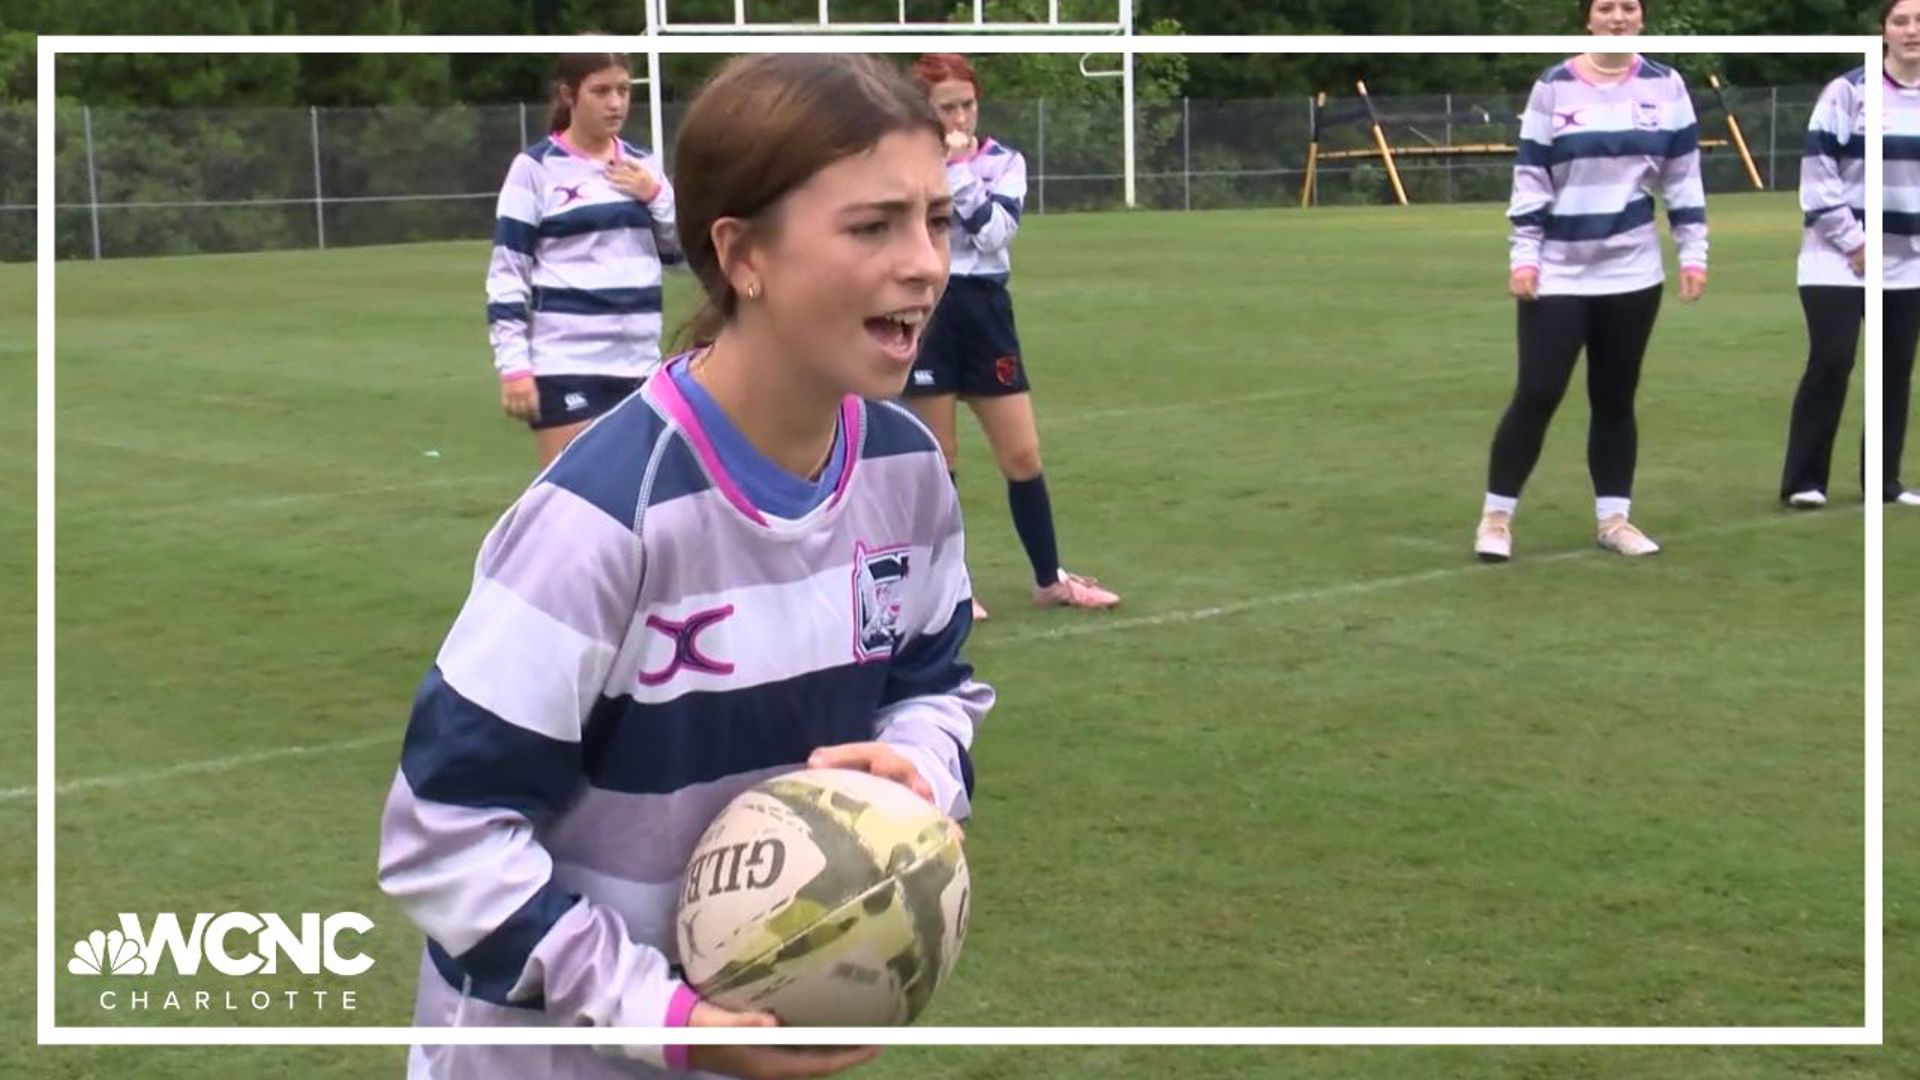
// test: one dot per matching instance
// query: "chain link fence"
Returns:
(145, 182)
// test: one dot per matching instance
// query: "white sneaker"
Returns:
(1908, 498)
(1619, 535)
(1807, 500)
(1493, 540)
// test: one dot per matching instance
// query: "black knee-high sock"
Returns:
(1033, 520)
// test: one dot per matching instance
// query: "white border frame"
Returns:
(1871, 1033)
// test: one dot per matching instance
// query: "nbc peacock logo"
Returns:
(106, 953)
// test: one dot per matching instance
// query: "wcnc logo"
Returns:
(234, 943)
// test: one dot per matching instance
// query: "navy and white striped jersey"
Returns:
(573, 287)
(989, 190)
(644, 639)
(1591, 158)
(1833, 193)
(1900, 185)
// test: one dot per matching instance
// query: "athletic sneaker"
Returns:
(1493, 540)
(979, 612)
(1617, 534)
(1072, 590)
(1907, 498)
(1807, 500)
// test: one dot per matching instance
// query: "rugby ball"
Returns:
(826, 897)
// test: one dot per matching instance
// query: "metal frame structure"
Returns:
(660, 25)
(1383, 151)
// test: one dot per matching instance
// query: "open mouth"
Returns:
(898, 333)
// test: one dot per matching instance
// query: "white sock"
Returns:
(1503, 504)
(1607, 506)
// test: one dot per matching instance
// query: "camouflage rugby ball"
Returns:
(826, 897)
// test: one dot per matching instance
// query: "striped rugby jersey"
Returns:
(573, 287)
(641, 643)
(1833, 195)
(1900, 185)
(1590, 159)
(989, 189)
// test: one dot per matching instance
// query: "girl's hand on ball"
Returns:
(707, 1014)
(881, 760)
(872, 757)
(766, 1062)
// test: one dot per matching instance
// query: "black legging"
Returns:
(1614, 330)
(1833, 334)
(1833, 315)
(1902, 330)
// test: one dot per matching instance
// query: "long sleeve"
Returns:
(1826, 198)
(666, 229)
(989, 213)
(1532, 199)
(1680, 185)
(493, 751)
(510, 270)
(932, 703)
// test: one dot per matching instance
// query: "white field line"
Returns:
(190, 768)
(1091, 623)
(1095, 623)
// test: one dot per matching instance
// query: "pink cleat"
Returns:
(979, 613)
(1072, 590)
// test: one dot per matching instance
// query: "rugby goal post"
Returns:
(662, 27)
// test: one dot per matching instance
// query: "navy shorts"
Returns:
(576, 399)
(970, 347)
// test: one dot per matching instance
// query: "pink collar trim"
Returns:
(560, 140)
(679, 410)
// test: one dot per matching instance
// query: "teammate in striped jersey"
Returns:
(1601, 133)
(972, 350)
(585, 224)
(754, 563)
(1900, 147)
(1833, 262)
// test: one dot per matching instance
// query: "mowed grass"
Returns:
(1320, 768)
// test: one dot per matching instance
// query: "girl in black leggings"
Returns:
(1601, 130)
(1833, 264)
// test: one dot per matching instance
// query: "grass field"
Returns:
(1321, 768)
